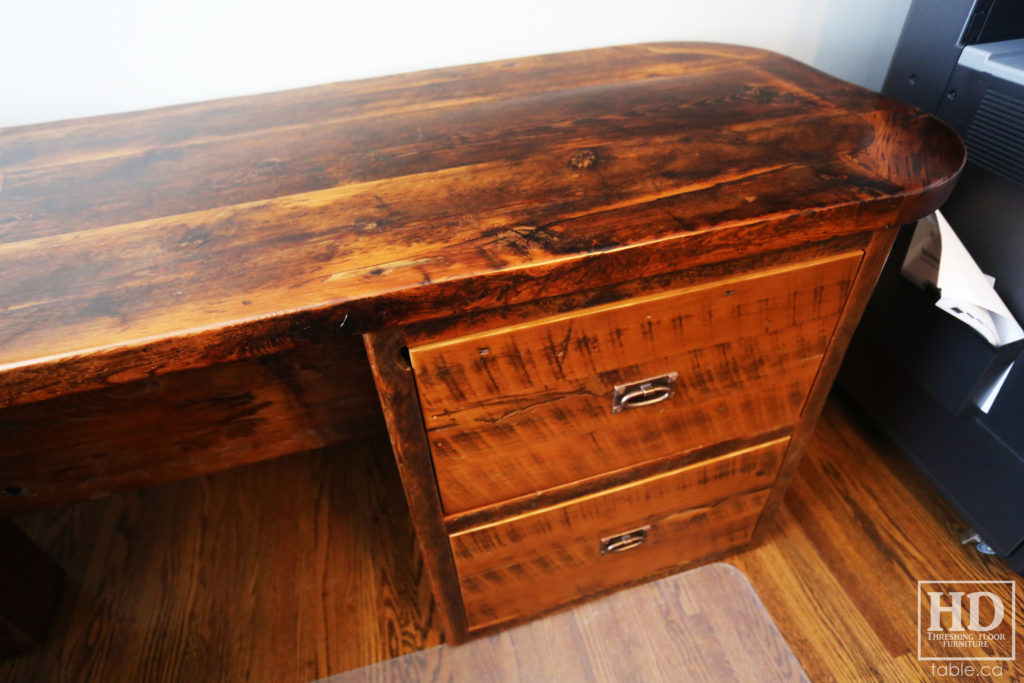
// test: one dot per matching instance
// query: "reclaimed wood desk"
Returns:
(602, 294)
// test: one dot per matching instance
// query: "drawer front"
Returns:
(521, 409)
(536, 561)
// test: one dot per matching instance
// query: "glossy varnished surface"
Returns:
(146, 243)
(533, 562)
(518, 410)
(837, 570)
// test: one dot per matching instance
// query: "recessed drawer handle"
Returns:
(624, 541)
(646, 392)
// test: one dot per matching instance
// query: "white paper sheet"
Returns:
(937, 257)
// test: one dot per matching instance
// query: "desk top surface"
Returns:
(143, 243)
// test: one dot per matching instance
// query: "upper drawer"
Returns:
(528, 407)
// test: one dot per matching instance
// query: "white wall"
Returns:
(69, 58)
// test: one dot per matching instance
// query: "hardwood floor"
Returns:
(859, 528)
(298, 568)
(287, 570)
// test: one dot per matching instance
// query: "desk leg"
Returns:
(30, 586)
(398, 398)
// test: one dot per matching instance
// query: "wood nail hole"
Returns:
(404, 359)
(12, 491)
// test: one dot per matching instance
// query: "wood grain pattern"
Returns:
(147, 243)
(284, 571)
(397, 391)
(95, 443)
(533, 562)
(870, 268)
(519, 410)
(545, 302)
(585, 487)
(159, 244)
(838, 566)
(837, 570)
(704, 625)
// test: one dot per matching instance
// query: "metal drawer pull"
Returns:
(646, 392)
(625, 541)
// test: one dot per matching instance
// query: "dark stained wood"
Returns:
(142, 244)
(531, 563)
(358, 149)
(30, 588)
(397, 391)
(44, 145)
(704, 625)
(519, 410)
(837, 570)
(140, 250)
(547, 303)
(867, 275)
(173, 426)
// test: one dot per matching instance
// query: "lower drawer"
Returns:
(538, 560)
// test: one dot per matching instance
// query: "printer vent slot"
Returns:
(995, 138)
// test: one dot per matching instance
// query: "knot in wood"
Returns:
(582, 158)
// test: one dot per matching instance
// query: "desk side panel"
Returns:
(184, 424)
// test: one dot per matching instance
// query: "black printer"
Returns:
(916, 371)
